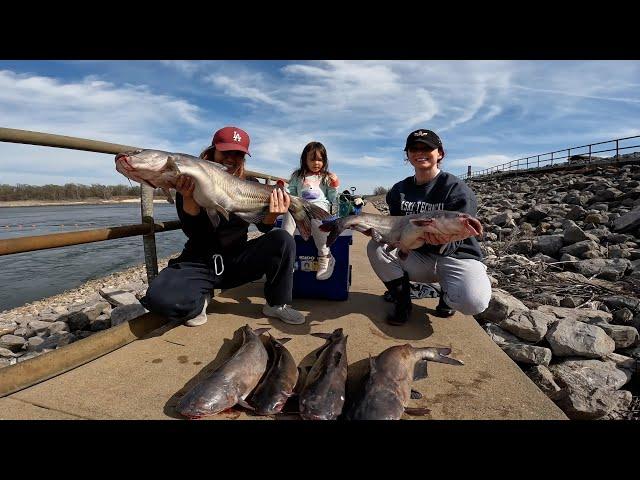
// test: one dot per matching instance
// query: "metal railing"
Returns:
(148, 228)
(581, 155)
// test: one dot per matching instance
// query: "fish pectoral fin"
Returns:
(415, 394)
(417, 411)
(222, 211)
(254, 216)
(167, 192)
(420, 370)
(244, 404)
(213, 217)
(376, 235)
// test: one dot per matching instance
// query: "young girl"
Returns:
(313, 182)
(458, 267)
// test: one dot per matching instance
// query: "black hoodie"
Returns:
(228, 238)
(444, 192)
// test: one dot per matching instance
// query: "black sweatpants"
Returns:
(178, 291)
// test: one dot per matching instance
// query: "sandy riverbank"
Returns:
(42, 203)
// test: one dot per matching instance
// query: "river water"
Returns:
(29, 276)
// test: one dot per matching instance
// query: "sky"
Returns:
(486, 112)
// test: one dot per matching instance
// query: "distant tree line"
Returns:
(379, 191)
(69, 191)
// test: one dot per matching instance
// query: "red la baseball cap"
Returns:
(230, 138)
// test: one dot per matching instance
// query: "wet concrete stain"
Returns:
(156, 360)
(197, 363)
(183, 359)
(462, 390)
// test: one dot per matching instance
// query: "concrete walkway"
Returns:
(144, 379)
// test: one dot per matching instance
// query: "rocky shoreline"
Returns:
(562, 251)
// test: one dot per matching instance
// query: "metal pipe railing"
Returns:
(55, 240)
(554, 159)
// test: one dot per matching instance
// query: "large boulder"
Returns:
(529, 325)
(608, 269)
(528, 354)
(570, 338)
(627, 222)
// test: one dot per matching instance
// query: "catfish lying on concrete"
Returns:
(230, 383)
(406, 232)
(322, 396)
(216, 190)
(388, 386)
(278, 382)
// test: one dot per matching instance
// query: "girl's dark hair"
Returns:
(313, 147)
(209, 153)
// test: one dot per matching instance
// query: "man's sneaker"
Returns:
(201, 319)
(325, 267)
(284, 313)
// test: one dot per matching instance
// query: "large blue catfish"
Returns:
(216, 190)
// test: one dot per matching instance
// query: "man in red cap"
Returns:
(222, 256)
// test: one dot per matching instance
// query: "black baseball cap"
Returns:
(424, 136)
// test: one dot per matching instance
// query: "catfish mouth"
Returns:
(124, 166)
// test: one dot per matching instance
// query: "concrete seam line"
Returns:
(44, 367)
(57, 410)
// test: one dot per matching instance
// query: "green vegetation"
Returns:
(69, 191)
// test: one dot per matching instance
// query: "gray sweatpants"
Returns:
(464, 282)
(319, 237)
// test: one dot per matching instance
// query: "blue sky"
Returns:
(486, 112)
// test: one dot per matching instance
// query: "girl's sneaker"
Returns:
(325, 267)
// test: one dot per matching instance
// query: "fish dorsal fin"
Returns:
(260, 331)
(326, 336)
(420, 370)
(220, 166)
(171, 164)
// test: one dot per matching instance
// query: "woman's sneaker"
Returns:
(284, 313)
(325, 267)
(443, 310)
(201, 319)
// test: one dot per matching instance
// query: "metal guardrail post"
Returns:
(617, 153)
(149, 240)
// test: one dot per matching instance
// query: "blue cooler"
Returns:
(335, 287)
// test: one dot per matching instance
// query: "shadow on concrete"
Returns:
(370, 305)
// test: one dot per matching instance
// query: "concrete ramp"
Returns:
(145, 379)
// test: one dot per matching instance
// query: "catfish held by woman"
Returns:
(216, 190)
